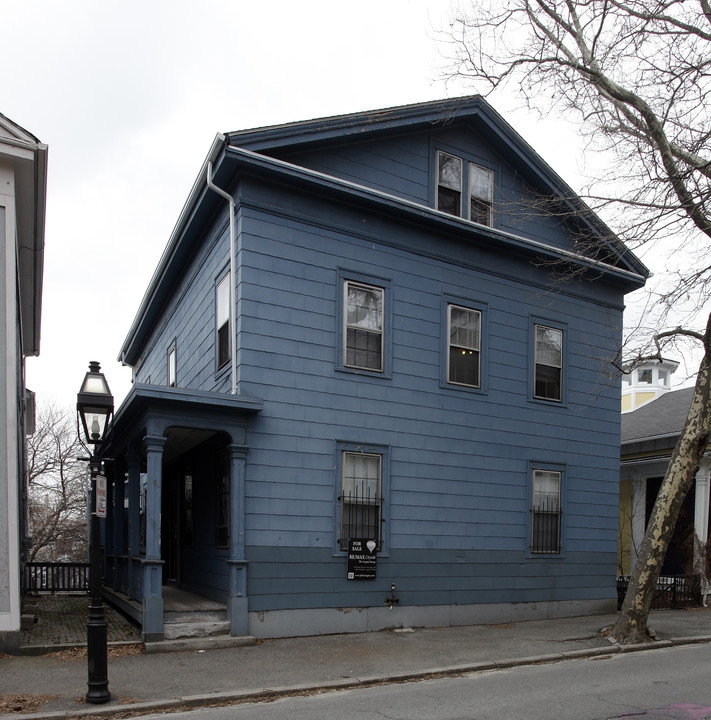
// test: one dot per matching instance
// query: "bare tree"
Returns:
(56, 488)
(635, 74)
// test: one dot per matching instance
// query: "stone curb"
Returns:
(253, 695)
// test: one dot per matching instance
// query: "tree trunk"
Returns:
(631, 626)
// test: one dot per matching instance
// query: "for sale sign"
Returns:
(100, 496)
(362, 559)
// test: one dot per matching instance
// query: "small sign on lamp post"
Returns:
(100, 496)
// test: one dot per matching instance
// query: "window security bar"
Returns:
(360, 516)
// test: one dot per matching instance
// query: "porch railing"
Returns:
(672, 592)
(56, 577)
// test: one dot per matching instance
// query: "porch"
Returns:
(174, 530)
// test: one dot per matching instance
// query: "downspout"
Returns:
(233, 277)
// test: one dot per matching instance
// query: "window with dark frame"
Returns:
(545, 512)
(453, 175)
(222, 524)
(548, 381)
(464, 346)
(361, 497)
(449, 183)
(364, 307)
(481, 194)
(222, 317)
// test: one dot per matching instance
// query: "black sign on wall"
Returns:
(362, 559)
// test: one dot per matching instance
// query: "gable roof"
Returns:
(660, 418)
(471, 110)
(28, 158)
(253, 152)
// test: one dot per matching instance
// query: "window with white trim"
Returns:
(453, 175)
(361, 497)
(222, 319)
(545, 512)
(548, 363)
(171, 366)
(364, 321)
(463, 346)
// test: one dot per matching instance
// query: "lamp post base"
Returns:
(98, 682)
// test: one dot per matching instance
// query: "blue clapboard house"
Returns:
(372, 386)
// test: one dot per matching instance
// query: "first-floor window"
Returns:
(548, 381)
(222, 529)
(545, 512)
(361, 497)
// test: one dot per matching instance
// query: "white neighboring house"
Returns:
(653, 416)
(23, 183)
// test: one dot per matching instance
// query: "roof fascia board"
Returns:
(440, 112)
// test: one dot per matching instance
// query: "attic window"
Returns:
(453, 174)
(449, 184)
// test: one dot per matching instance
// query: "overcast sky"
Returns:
(129, 96)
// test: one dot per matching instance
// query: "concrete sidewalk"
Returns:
(142, 683)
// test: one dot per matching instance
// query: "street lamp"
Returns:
(95, 406)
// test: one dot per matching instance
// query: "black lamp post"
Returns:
(95, 406)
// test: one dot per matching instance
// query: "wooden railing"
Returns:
(56, 577)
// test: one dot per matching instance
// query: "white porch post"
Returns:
(152, 599)
(701, 514)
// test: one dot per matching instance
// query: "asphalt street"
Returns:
(668, 684)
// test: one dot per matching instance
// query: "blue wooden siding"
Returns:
(459, 461)
(404, 166)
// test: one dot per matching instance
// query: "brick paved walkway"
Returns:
(61, 620)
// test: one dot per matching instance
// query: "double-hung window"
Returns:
(548, 363)
(222, 315)
(171, 366)
(364, 322)
(361, 497)
(453, 175)
(545, 512)
(463, 346)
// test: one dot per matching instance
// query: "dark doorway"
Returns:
(680, 555)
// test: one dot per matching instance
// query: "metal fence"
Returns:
(56, 577)
(672, 592)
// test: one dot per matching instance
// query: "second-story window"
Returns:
(222, 316)
(171, 366)
(548, 381)
(464, 333)
(364, 307)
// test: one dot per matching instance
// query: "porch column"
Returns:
(133, 461)
(237, 600)
(152, 596)
(119, 540)
(639, 501)
(701, 515)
